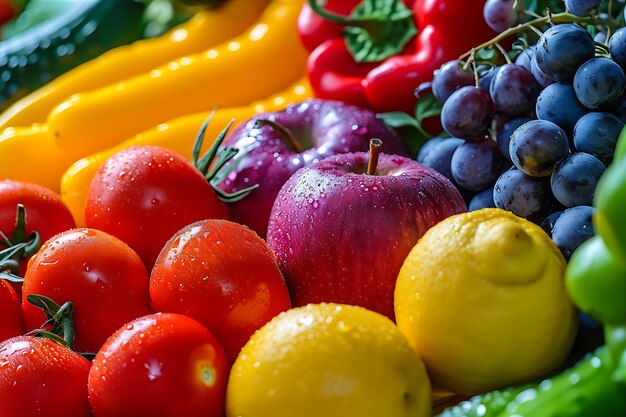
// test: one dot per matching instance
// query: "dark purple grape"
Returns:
(503, 137)
(540, 77)
(558, 104)
(502, 14)
(547, 224)
(520, 194)
(597, 133)
(562, 49)
(573, 228)
(537, 146)
(481, 200)
(582, 7)
(524, 58)
(427, 147)
(476, 165)
(617, 47)
(599, 83)
(437, 153)
(449, 78)
(600, 37)
(485, 80)
(467, 113)
(574, 179)
(620, 110)
(514, 90)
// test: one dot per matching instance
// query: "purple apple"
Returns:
(341, 234)
(277, 144)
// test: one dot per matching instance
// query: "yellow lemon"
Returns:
(326, 360)
(481, 298)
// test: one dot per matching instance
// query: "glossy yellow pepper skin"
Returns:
(31, 154)
(206, 29)
(266, 59)
(177, 135)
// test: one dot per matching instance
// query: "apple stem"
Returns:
(375, 147)
(284, 133)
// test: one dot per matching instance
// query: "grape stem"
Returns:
(503, 52)
(522, 27)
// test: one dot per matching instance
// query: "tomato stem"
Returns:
(18, 247)
(59, 322)
(217, 174)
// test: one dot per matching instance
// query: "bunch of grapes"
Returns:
(534, 135)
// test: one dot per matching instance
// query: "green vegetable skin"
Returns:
(610, 201)
(36, 56)
(584, 390)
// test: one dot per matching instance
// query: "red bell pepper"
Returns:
(7, 11)
(384, 49)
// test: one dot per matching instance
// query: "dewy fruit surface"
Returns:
(327, 360)
(482, 299)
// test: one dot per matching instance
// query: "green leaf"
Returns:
(398, 119)
(410, 128)
(427, 106)
(539, 6)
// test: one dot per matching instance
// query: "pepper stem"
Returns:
(285, 134)
(375, 147)
(375, 24)
(375, 30)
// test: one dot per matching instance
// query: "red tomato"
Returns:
(39, 377)
(223, 275)
(11, 323)
(160, 365)
(145, 194)
(45, 211)
(100, 274)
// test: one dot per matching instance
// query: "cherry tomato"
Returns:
(101, 275)
(145, 194)
(11, 323)
(160, 365)
(223, 275)
(39, 377)
(45, 211)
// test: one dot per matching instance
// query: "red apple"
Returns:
(275, 145)
(341, 234)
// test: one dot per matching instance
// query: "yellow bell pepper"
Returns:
(31, 154)
(206, 29)
(177, 135)
(266, 59)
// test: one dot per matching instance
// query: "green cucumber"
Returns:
(585, 390)
(36, 56)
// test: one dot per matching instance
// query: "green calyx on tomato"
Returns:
(211, 168)
(59, 324)
(610, 202)
(376, 30)
(18, 247)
